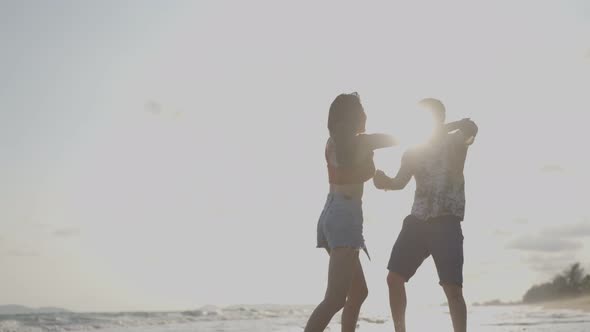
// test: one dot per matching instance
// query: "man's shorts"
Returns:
(440, 237)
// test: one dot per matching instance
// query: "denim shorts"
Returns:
(341, 223)
(441, 237)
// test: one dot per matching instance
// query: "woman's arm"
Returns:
(399, 182)
(377, 141)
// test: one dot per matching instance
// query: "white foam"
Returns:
(284, 318)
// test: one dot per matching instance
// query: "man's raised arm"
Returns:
(466, 127)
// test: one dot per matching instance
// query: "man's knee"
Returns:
(395, 280)
(453, 292)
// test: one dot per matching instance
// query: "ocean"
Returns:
(290, 318)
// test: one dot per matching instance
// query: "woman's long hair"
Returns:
(346, 119)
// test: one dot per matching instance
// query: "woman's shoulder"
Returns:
(330, 145)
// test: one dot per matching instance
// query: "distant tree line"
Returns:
(570, 283)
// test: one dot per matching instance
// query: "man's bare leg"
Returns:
(397, 300)
(457, 306)
(357, 294)
(343, 262)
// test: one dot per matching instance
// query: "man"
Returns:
(434, 226)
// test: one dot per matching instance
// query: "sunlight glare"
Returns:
(419, 125)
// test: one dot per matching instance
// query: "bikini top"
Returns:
(354, 174)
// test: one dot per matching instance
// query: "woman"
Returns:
(349, 154)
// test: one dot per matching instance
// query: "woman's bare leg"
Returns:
(343, 262)
(357, 293)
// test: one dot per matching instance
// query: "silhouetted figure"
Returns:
(434, 226)
(349, 155)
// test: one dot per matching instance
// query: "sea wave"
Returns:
(69, 321)
(290, 318)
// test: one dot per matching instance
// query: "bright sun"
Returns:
(417, 127)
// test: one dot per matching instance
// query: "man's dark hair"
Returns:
(435, 106)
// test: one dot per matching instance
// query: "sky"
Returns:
(163, 155)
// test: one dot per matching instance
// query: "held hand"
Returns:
(457, 125)
(465, 122)
(380, 180)
(468, 127)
